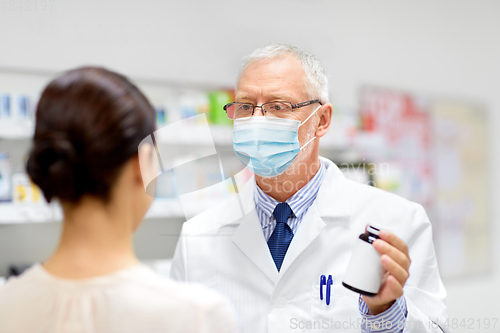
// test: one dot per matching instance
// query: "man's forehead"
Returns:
(268, 95)
(276, 65)
(272, 79)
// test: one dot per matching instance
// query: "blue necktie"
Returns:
(282, 235)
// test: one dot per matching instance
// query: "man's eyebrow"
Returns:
(240, 97)
(278, 97)
(271, 97)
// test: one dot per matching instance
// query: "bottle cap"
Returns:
(373, 228)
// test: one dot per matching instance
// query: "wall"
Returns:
(434, 48)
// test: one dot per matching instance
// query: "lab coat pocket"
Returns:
(341, 315)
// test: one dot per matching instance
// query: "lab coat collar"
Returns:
(334, 196)
(332, 201)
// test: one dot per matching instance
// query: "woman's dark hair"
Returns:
(89, 122)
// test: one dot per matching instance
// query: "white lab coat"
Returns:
(225, 249)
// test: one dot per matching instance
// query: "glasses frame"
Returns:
(294, 106)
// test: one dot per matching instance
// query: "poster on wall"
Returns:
(436, 154)
(404, 123)
(462, 201)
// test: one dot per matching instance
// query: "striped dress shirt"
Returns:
(300, 203)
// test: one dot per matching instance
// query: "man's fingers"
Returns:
(395, 288)
(401, 258)
(395, 269)
(394, 240)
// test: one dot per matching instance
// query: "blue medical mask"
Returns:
(267, 146)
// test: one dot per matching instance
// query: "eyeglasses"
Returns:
(278, 109)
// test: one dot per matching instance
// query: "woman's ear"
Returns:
(324, 119)
(136, 165)
(146, 167)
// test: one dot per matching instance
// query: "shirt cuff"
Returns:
(391, 320)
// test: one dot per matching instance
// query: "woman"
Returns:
(89, 125)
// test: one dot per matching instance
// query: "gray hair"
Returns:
(316, 81)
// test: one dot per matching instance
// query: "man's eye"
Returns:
(277, 107)
(246, 107)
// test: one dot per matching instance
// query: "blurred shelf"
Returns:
(172, 208)
(196, 134)
(165, 208)
(16, 129)
(13, 213)
(221, 135)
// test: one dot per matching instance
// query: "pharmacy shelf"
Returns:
(195, 134)
(335, 140)
(172, 208)
(16, 213)
(16, 129)
(220, 136)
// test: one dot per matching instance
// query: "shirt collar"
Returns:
(299, 202)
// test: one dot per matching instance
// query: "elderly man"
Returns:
(301, 219)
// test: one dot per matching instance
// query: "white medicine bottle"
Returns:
(364, 272)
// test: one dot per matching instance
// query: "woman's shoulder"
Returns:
(175, 300)
(194, 294)
(21, 290)
(134, 293)
(20, 282)
(139, 282)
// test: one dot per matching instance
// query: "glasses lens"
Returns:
(278, 109)
(242, 110)
(229, 110)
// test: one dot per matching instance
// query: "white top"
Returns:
(134, 300)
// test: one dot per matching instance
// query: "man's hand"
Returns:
(396, 261)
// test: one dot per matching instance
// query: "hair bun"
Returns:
(89, 123)
(54, 164)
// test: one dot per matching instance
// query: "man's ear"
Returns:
(324, 119)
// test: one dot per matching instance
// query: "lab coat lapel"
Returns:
(250, 240)
(310, 228)
(249, 237)
(331, 204)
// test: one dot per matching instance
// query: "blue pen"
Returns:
(329, 283)
(322, 282)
